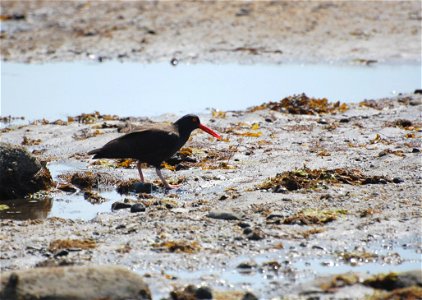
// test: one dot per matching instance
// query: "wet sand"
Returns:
(382, 219)
(226, 31)
(223, 229)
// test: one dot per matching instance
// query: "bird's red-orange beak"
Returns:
(210, 131)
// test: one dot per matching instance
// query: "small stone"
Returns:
(415, 102)
(326, 197)
(63, 252)
(138, 207)
(120, 205)
(246, 265)
(66, 187)
(382, 153)
(322, 121)
(223, 215)
(415, 150)
(344, 120)
(223, 197)
(417, 91)
(249, 296)
(141, 187)
(174, 62)
(256, 235)
(243, 224)
(247, 230)
(397, 180)
(280, 189)
(203, 292)
(275, 215)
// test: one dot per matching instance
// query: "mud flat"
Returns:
(284, 198)
(220, 31)
(303, 197)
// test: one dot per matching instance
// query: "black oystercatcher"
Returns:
(153, 144)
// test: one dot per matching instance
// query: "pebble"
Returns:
(174, 62)
(415, 150)
(397, 180)
(61, 253)
(280, 189)
(243, 224)
(120, 205)
(246, 266)
(203, 292)
(140, 187)
(249, 296)
(247, 230)
(256, 235)
(223, 215)
(138, 207)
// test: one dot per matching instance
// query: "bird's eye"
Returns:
(195, 120)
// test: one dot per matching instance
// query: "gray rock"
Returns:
(137, 207)
(203, 292)
(75, 282)
(396, 281)
(20, 173)
(249, 296)
(256, 235)
(120, 205)
(223, 215)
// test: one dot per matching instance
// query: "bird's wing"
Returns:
(147, 145)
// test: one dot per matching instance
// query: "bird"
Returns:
(153, 144)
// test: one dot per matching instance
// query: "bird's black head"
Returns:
(189, 123)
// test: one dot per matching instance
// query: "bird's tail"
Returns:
(96, 153)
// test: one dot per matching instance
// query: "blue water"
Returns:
(58, 90)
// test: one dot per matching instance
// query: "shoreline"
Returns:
(380, 220)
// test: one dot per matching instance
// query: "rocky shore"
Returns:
(289, 194)
(362, 32)
(303, 198)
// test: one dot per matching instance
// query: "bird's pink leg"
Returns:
(166, 185)
(140, 171)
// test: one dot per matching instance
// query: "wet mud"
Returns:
(283, 199)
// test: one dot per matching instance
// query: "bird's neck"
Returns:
(184, 134)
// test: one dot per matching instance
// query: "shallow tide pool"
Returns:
(57, 90)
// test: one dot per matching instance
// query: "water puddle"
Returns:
(66, 205)
(287, 269)
(57, 90)
(24, 209)
(60, 204)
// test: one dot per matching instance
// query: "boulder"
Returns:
(74, 282)
(20, 173)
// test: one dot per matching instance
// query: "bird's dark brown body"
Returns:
(147, 145)
(153, 144)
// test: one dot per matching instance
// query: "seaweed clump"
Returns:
(178, 247)
(303, 105)
(306, 178)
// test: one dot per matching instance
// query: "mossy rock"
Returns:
(21, 173)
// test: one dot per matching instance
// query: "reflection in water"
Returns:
(24, 209)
